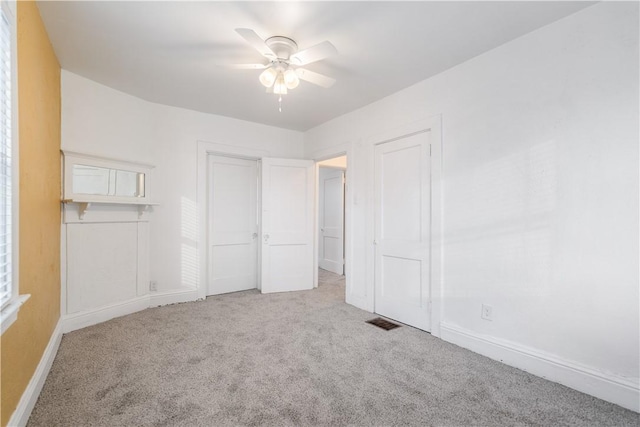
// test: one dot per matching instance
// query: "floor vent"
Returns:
(384, 324)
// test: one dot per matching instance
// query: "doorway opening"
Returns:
(330, 229)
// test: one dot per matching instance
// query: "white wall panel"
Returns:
(102, 264)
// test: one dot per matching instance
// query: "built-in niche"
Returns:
(105, 238)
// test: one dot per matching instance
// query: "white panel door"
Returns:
(331, 220)
(287, 225)
(233, 224)
(402, 233)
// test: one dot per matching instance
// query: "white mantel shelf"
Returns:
(85, 204)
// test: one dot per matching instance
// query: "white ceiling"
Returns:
(175, 53)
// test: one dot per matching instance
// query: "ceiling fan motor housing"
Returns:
(283, 47)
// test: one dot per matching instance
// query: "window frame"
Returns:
(9, 311)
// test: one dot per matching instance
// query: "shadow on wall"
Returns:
(508, 209)
(189, 246)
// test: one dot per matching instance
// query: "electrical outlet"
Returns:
(153, 286)
(487, 312)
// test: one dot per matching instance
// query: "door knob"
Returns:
(266, 238)
(254, 236)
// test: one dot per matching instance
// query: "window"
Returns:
(6, 276)
(9, 300)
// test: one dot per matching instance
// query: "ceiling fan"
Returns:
(283, 70)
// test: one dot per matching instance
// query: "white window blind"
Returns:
(5, 161)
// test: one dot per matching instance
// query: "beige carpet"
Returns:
(298, 359)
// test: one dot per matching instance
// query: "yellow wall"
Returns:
(39, 131)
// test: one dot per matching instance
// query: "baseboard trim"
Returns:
(610, 387)
(86, 318)
(173, 297)
(28, 400)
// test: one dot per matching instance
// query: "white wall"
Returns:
(540, 154)
(102, 121)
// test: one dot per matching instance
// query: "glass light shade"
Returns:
(291, 79)
(280, 88)
(268, 77)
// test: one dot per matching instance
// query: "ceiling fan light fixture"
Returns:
(281, 73)
(280, 87)
(291, 79)
(268, 77)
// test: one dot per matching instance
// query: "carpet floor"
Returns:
(299, 359)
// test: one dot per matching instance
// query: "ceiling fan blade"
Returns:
(315, 78)
(248, 66)
(254, 40)
(314, 53)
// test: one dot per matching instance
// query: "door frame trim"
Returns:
(345, 149)
(205, 149)
(432, 124)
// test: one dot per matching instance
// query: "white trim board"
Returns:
(612, 388)
(72, 322)
(28, 400)
(173, 297)
(91, 317)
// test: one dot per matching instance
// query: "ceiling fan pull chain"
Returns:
(280, 104)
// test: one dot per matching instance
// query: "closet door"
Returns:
(287, 225)
(233, 224)
(402, 230)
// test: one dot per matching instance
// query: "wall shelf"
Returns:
(85, 204)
